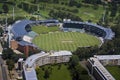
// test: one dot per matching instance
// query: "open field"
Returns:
(65, 41)
(115, 71)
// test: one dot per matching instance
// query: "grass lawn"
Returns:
(56, 72)
(65, 41)
(59, 72)
(88, 13)
(115, 71)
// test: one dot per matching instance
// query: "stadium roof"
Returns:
(102, 70)
(18, 28)
(30, 60)
(109, 33)
(30, 73)
(61, 53)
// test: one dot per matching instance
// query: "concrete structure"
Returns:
(96, 66)
(42, 59)
(108, 59)
(20, 68)
(20, 64)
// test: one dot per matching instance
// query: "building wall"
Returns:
(97, 74)
(13, 44)
(26, 49)
(89, 66)
(97, 71)
(51, 60)
(110, 62)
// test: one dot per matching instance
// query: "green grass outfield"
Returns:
(65, 40)
(115, 71)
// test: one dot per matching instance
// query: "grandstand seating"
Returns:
(23, 27)
(100, 31)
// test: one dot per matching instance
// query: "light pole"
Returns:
(104, 12)
(13, 14)
(6, 19)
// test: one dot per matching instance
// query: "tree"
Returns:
(78, 72)
(1, 31)
(7, 53)
(113, 9)
(5, 8)
(74, 3)
(55, 1)
(10, 64)
(74, 61)
(47, 74)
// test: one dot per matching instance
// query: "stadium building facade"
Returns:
(96, 66)
(41, 59)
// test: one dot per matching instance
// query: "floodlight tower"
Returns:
(38, 10)
(13, 13)
(104, 12)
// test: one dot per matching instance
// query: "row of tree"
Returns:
(28, 7)
(63, 14)
(47, 1)
(73, 10)
(11, 57)
(77, 71)
(92, 1)
(4, 9)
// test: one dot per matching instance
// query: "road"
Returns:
(1, 78)
(3, 70)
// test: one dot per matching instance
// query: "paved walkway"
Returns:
(1, 78)
(1, 48)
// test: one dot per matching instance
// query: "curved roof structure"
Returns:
(109, 34)
(18, 29)
(32, 59)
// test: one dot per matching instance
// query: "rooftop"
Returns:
(103, 57)
(103, 70)
(30, 60)
(30, 73)
(61, 53)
